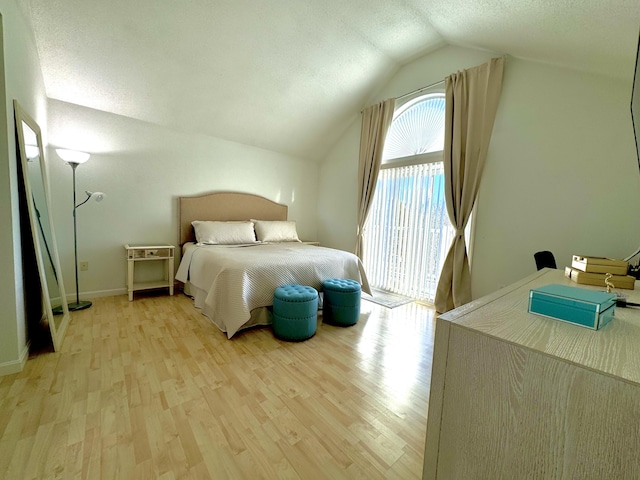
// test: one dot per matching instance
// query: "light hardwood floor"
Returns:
(151, 389)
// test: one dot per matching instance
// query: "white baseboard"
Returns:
(97, 293)
(15, 366)
(71, 297)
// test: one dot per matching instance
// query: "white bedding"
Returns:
(229, 282)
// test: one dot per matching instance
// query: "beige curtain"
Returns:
(375, 124)
(471, 104)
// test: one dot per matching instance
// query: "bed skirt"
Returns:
(260, 316)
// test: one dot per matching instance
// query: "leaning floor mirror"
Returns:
(55, 313)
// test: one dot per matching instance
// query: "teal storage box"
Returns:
(587, 308)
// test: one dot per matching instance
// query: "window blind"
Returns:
(408, 232)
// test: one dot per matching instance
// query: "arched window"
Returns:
(408, 232)
(417, 128)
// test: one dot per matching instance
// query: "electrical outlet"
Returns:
(84, 266)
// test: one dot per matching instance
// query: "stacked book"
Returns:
(593, 271)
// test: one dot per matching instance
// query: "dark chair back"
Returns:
(544, 259)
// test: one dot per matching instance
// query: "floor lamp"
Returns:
(73, 159)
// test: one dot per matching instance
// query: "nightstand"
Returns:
(147, 253)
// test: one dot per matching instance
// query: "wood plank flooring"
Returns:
(151, 389)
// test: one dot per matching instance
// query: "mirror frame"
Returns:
(57, 331)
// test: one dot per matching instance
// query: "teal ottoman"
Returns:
(341, 303)
(295, 312)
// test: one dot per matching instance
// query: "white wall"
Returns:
(561, 171)
(21, 80)
(561, 175)
(143, 168)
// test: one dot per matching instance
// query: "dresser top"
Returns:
(613, 350)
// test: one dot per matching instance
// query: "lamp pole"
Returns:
(78, 305)
(75, 231)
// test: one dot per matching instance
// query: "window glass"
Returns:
(417, 128)
(408, 233)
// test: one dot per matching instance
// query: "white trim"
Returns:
(97, 294)
(470, 231)
(431, 157)
(15, 366)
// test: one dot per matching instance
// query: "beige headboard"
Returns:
(225, 207)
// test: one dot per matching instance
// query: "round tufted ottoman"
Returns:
(295, 312)
(341, 304)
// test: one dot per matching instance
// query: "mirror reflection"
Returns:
(36, 189)
(39, 200)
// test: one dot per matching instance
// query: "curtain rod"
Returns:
(420, 89)
(505, 56)
(413, 93)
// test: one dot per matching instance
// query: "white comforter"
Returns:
(231, 281)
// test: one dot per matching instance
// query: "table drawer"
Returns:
(149, 253)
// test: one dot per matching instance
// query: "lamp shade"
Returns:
(98, 196)
(32, 151)
(72, 156)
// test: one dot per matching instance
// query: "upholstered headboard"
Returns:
(225, 207)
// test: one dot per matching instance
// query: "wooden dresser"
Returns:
(519, 396)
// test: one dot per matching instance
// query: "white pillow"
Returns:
(276, 231)
(223, 233)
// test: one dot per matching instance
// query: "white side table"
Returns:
(146, 253)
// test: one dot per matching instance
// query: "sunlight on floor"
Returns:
(403, 358)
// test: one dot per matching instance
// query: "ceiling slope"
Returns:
(288, 76)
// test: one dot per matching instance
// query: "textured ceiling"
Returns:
(288, 75)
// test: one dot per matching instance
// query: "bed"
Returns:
(233, 284)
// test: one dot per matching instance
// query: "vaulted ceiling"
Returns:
(288, 75)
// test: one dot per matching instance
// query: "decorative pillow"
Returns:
(223, 233)
(275, 231)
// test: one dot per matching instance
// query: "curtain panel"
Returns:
(376, 120)
(471, 104)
